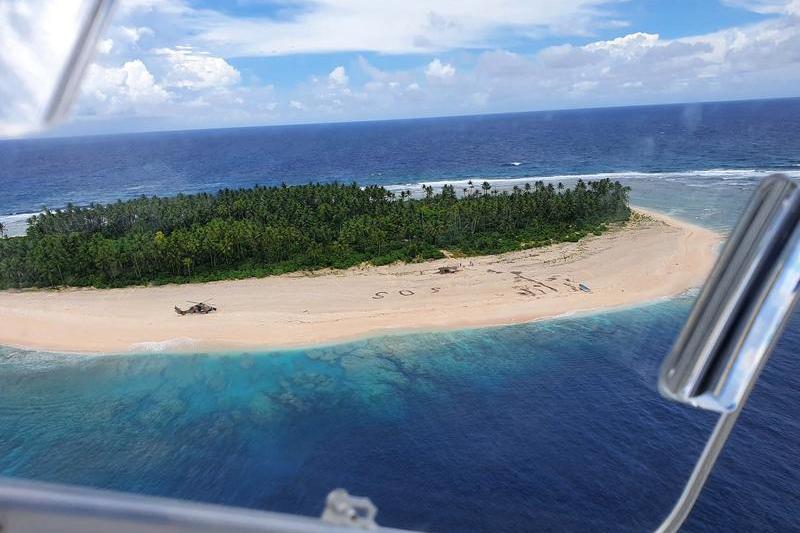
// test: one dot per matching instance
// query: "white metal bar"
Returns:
(34, 507)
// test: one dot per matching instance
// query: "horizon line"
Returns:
(46, 136)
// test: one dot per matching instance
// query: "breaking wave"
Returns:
(499, 182)
(167, 346)
(16, 224)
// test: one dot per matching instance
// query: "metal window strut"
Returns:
(69, 82)
(736, 322)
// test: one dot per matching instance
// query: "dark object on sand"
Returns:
(448, 270)
(584, 288)
(199, 308)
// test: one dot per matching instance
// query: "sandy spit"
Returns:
(652, 256)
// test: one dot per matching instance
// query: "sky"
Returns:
(181, 64)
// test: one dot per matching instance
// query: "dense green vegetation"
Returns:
(261, 231)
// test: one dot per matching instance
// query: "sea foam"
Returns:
(165, 346)
(16, 224)
(499, 182)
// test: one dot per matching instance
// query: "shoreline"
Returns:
(211, 350)
(653, 257)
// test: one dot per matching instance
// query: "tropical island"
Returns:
(289, 266)
(244, 233)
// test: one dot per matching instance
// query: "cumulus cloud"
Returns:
(105, 46)
(194, 70)
(641, 67)
(630, 53)
(625, 46)
(171, 87)
(134, 35)
(437, 70)
(164, 83)
(338, 77)
(118, 90)
(137, 94)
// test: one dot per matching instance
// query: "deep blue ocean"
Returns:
(550, 426)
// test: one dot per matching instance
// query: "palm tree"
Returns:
(2, 230)
(291, 228)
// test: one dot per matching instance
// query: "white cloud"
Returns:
(136, 95)
(189, 69)
(105, 45)
(630, 51)
(758, 60)
(134, 35)
(635, 67)
(626, 45)
(163, 6)
(338, 76)
(385, 77)
(437, 70)
(124, 89)
(390, 26)
(769, 7)
(583, 86)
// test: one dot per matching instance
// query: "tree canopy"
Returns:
(271, 230)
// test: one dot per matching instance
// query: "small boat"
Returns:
(584, 288)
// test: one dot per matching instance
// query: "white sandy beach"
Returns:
(651, 257)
